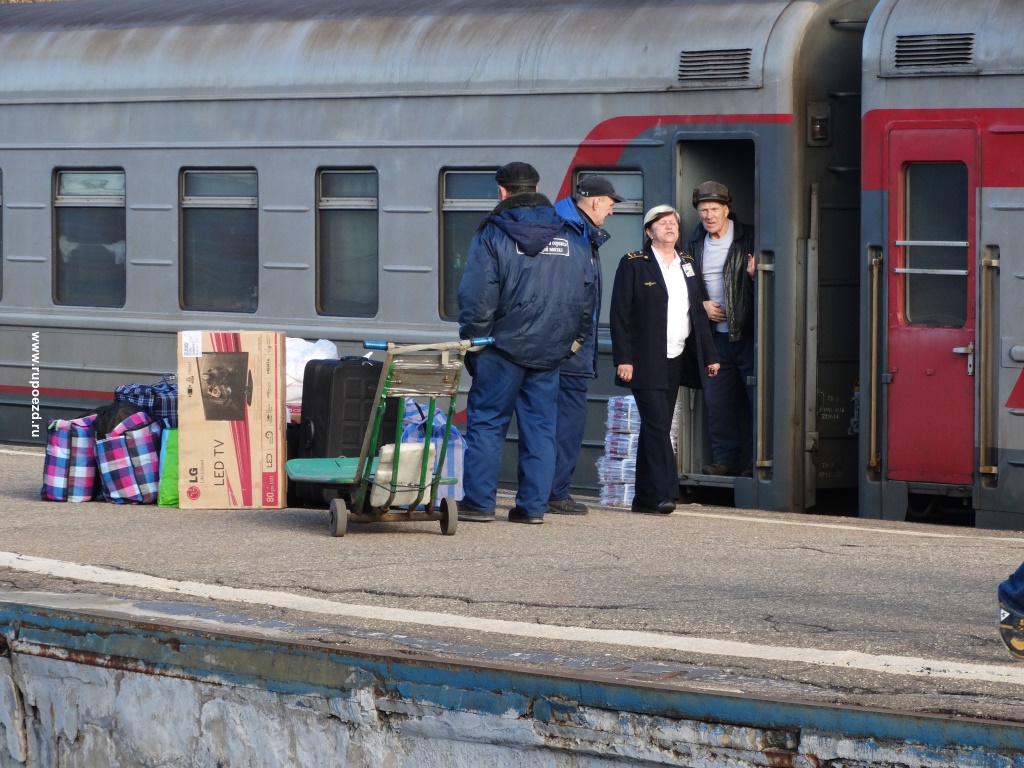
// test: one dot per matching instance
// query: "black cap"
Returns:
(711, 192)
(517, 174)
(598, 186)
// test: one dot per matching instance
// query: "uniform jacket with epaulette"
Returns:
(639, 318)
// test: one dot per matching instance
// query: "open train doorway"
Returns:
(731, 162)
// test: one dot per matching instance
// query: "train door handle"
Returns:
(969, 351)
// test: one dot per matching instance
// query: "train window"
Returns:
(219, 219)
(89, 242)
(347, 256)
(936, 244)
(625, 225)
(467, 196)
(1, 235)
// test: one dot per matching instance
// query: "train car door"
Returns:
(931, 317)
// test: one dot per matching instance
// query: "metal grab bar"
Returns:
(765, 265)
(946, 272)
(935, 243)
(812, 293)
(988, 457)
(874, 459)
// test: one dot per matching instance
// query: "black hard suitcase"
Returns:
(338, 398)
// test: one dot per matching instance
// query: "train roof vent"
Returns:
(935, 51)
(714, 66)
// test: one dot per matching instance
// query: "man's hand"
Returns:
(625, 372)
(716, 313)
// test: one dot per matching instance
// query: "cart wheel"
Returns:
(449, 517)
(339, 517)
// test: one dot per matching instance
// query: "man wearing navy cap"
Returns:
(595, 197)
(527, 284)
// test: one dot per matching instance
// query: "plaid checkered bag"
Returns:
(159, 400)
(129, 461)
(69, 469)
(414, 428)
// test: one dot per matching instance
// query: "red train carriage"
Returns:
(943, 303)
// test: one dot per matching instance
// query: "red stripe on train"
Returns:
(606, 141)
(999, 132)
(1016, 398)
(83, 394)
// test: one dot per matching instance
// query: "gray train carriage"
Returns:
(943, 299)
(318, 168)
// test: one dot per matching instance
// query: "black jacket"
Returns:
(738, 285)
(639, 316)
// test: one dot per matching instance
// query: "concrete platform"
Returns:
(807, 608)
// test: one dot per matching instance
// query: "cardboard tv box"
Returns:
(231, 420)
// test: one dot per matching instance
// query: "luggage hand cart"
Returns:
(388, 482)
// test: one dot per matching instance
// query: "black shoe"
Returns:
(720, 469)
(470, 515)
(567, 506)
(1011, 630)
(663, 508)
(516, 516)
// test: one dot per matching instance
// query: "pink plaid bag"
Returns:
(69, 469)
(129, 461)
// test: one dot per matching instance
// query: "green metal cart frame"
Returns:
(377, 486)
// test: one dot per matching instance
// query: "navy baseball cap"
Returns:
(598, 186)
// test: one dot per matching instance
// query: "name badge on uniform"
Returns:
(687, 270)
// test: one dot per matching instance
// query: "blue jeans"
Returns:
(728, 398)
(572, 421)
(500, 387)
(1011, 591)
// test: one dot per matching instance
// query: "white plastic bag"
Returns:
(298, 352)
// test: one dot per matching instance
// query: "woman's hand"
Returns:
(713, 369)
(625, 372)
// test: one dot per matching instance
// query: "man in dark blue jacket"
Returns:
(585, 214)
(527, 284)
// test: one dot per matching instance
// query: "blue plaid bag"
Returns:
(129, 461)
(414, 429)
(69, 469)
(159, 400)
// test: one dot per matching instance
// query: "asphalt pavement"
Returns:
(810, 607)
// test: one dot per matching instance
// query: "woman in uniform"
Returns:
(661, 337)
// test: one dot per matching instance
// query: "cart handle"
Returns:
(480, 341)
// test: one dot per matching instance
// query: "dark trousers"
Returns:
(572, 421)
(657, 478)
(728, 398)
(1011, 591)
